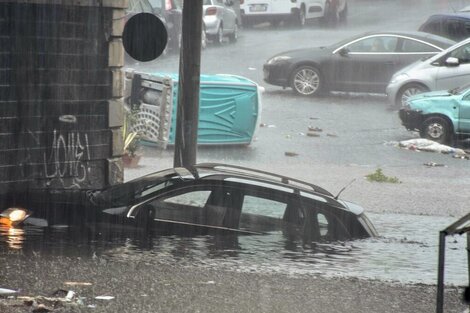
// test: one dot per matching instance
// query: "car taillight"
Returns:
(211, 11)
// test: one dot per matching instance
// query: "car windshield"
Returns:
(244, 162)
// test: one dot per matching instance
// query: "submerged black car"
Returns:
(218, 198)
(364, 63)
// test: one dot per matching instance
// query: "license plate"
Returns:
(258, 8)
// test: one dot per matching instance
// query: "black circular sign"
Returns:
(144, 37)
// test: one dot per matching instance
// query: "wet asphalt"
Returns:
(140, 287)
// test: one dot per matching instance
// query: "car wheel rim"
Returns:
(409, 92)
(306, 81)
(435, 131)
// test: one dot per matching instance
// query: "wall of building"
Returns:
(60, 94)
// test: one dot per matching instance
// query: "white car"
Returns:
(296, 11)
(220, 20)
(446, 70)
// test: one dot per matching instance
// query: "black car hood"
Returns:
(306, 52)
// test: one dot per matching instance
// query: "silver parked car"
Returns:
(220, 20)
(445, 70)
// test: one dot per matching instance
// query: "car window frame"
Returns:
(401, 44)
(344, 46)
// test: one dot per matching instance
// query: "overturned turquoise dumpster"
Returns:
(229, 108)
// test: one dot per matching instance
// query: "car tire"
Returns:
(275, 23)
(306, 80)
(343, 15)
(330, 16)
(408, 91)
(233, 37)
(437, 129)
(299, 18)
(219, 37)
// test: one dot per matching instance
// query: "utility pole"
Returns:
(188, 88)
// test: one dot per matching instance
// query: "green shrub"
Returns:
(379, 176)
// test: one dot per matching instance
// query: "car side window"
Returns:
(196, 198)
(378, 44)
(261, 213)
(187, 206)
(267, 207)
(454, 28)
(462, 53)
(416, 46)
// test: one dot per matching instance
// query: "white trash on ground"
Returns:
(427, 145)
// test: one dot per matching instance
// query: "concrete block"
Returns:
(115, 113)
(115, 171)
(116, 53)
(117, 148)
(118, 83)
(118, 22)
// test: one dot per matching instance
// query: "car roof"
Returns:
(461, 15)
(427, 37)
(206, 169)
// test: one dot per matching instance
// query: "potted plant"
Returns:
(131, 155)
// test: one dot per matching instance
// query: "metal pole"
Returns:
(188, 89)
(440, 273)
(468, 258)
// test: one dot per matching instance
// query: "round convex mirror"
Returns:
(144, 37)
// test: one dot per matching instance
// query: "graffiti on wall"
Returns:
(67, 156)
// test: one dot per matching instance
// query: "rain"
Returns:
(89, 114)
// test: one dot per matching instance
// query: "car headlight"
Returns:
(399, 77)
(15, 216)
(279, 59)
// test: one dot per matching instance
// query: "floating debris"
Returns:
(301, 134)
(291, 154)
(314, 129)
(41, 308)
(252, 68)
(313, 135)
(104, 298)
(433, 164)
(7, 292)
(331, 135)
(288, 136)
(77, 283)
(267, 125)
(314, 118)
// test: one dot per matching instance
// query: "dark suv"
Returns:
(455, 26)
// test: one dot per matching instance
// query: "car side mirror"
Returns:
(343, 52)
(451, 61)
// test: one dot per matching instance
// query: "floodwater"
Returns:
(406, 250)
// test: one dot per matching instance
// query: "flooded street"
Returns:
(356, 135)
(405, 252)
